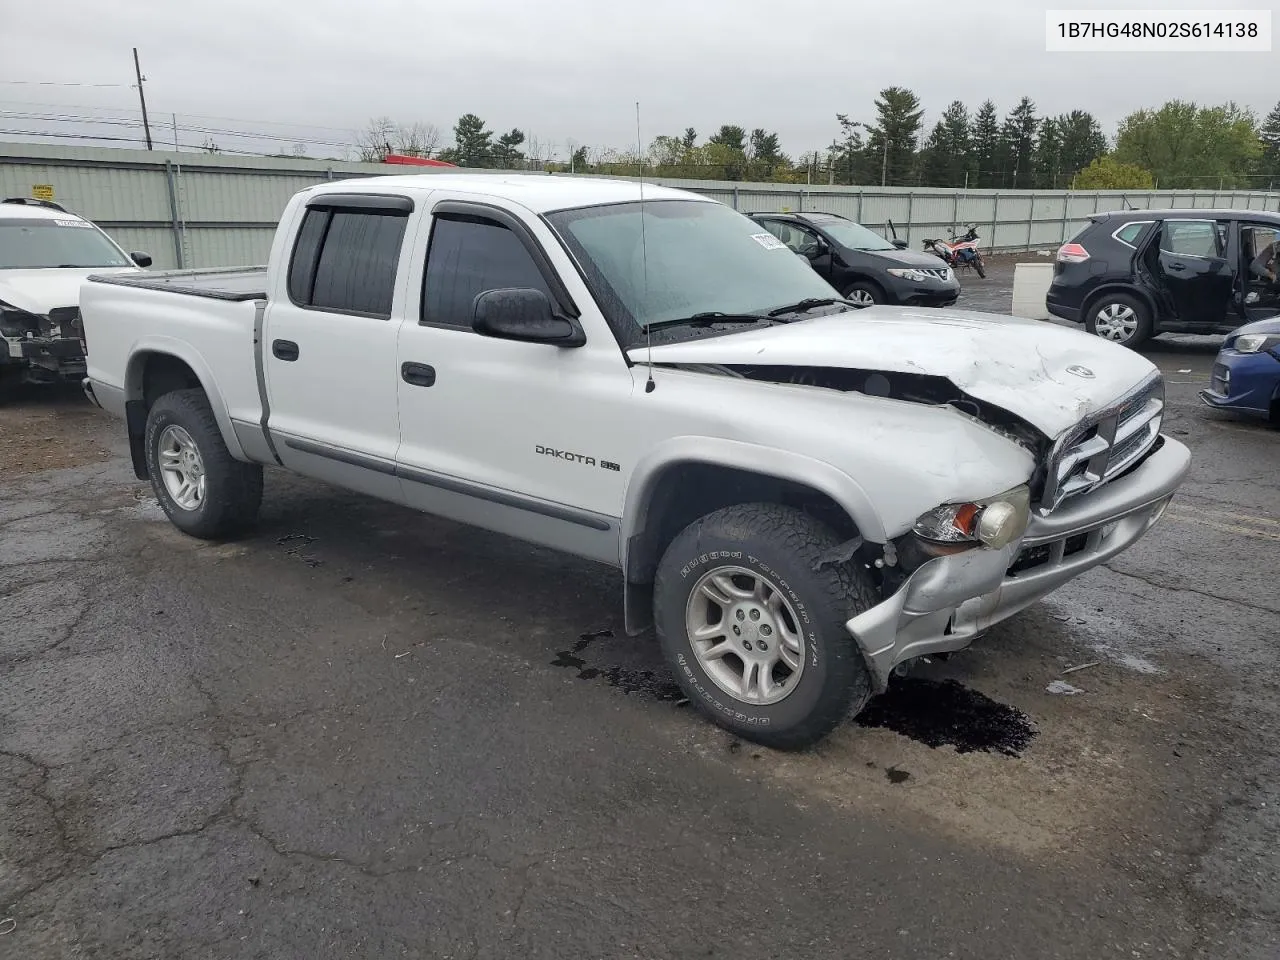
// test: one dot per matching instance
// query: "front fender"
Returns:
(766, 461)
(182, 350)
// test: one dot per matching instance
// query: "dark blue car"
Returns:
(1246, 375)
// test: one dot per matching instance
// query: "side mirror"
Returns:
(141, 259)
(899, 243)
(523, 313)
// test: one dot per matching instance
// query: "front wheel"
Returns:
(864, 294)
(203, 490)
(980, 267)
(1120, 318)
(751, 623)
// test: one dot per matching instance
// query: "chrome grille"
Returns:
(1105, 445)
(938, 273)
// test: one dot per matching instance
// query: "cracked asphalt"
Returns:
(363, 732)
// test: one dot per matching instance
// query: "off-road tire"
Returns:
(233, 490)
(980, 267)
(787, 546)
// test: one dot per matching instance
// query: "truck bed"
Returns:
(222, 283)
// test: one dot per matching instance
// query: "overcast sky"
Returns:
(571, 69)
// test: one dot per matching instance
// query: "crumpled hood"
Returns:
(1022, 366)
(39, 291)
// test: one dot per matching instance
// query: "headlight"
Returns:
(917, 276)
(995, 522)
(15, 322)
(1256, 342)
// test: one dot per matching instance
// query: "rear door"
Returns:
(329, 350)
(1259, 269)
(1192, 271)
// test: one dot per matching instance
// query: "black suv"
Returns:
(1130, 275)
(862, 265)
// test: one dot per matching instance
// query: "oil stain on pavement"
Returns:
(941, 713)
(653, 684)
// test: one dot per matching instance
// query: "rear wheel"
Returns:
(1120, 318)
(751, 622)
(203, 490)
(864, 294)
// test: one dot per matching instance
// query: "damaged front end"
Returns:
(42, 348)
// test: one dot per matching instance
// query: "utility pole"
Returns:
(142, 97)
(884, 167)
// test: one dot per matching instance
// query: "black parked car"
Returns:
(862, 265)
(1130, 275)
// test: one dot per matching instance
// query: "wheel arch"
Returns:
(692, 476)
(1092, 298)
(157, 367)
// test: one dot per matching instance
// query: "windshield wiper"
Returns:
(811, 303)
(709, 317)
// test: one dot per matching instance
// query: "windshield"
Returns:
(45, 242)
(852, 235)
(697, 257)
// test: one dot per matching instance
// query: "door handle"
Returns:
(1177, 266)
(284, 350)
(418, 374)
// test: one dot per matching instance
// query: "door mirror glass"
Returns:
(141, 259)
(523, 313)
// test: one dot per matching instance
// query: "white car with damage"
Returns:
(46, 253)
(800, 496)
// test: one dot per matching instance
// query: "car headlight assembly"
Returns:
(995, 523)
(1256, 342)
(15, 322)
(916, 276)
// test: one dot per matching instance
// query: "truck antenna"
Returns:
(644, 256)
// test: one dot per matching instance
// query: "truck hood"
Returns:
(1050, 376)
(39, 291)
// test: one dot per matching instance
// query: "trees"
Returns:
(893, 140)
(472, 143)
(1018, 139)
(985, 144)
(506, 153)
(1186, 145)
(1082, 142)
(764, 154)
(1108, 173)
(947, 158)
(1269, 162)
(382, 136)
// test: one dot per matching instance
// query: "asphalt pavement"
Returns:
(363, 732)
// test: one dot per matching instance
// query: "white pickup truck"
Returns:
(802, 497)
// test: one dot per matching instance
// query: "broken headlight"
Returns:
(995, 522)
(15, 322)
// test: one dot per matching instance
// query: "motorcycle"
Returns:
(959, 251)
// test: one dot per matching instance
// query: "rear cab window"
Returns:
(346, 260)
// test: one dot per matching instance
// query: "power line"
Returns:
(56, 83)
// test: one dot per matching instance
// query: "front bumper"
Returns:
(1247, 382)
(949, 601)
(929, 293)
(49, 358)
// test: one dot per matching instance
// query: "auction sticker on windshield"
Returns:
(768, 241)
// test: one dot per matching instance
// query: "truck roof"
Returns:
(541, 193)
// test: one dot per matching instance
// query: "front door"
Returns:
(1193, 272)
(523, 438)
(805, 242)
(1259, 270)
(329, 350)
